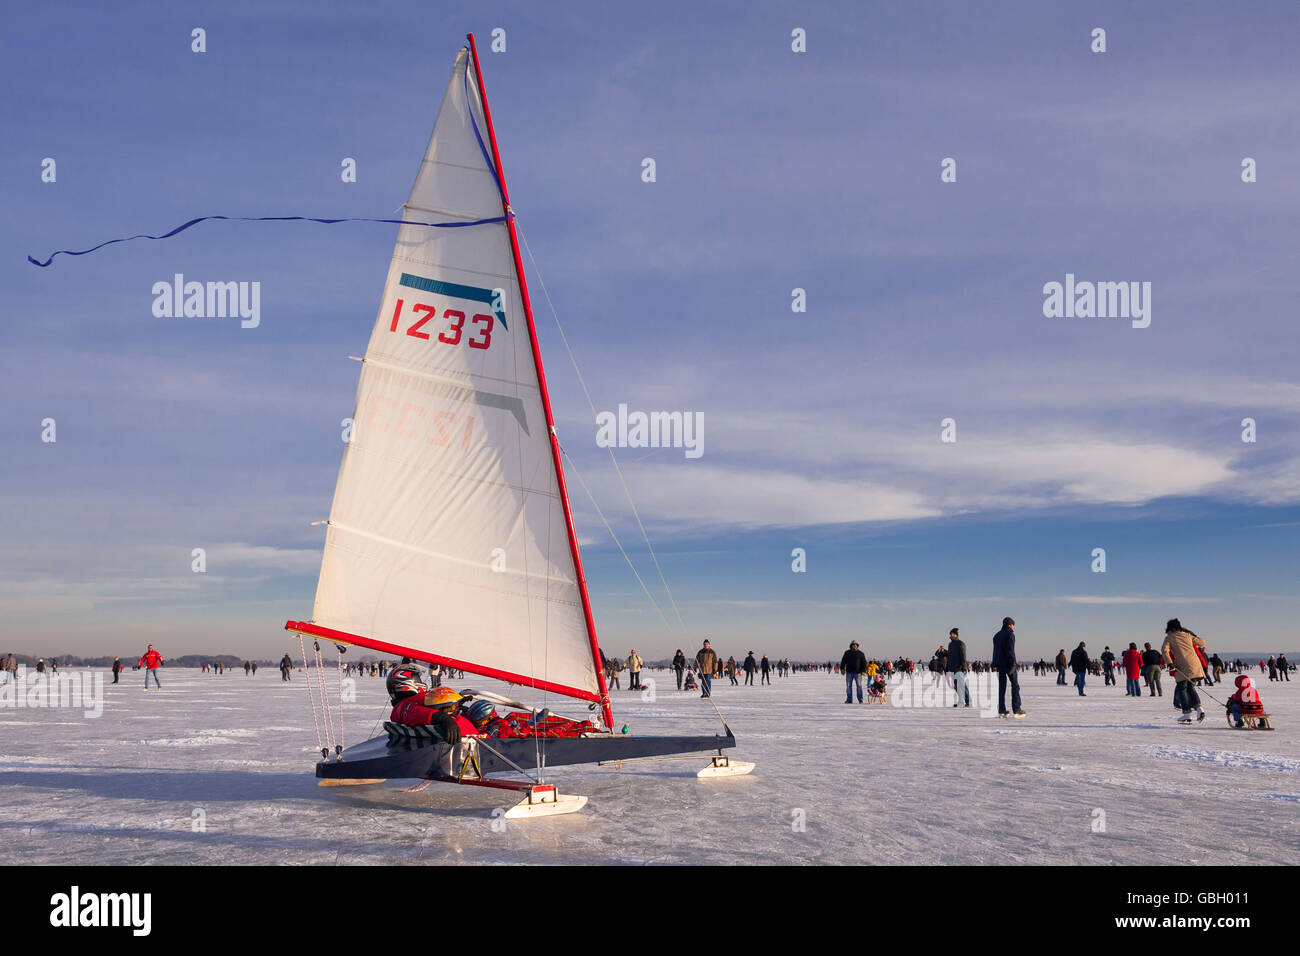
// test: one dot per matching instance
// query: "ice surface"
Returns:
(1100, 779)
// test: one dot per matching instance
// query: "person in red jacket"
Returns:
(1133, 670)
(1245, 700)
(1205, 664)
(150, 663)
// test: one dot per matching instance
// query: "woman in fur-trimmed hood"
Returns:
(1180, 650)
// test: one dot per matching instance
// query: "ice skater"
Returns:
(151, 662)
(1180, 651)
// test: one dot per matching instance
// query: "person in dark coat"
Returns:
(1004, 662)
(853, 665)
(1079, 664)
(117, 668)
(1152, 663)
(1283, 668)
(751, 665)
(679, 665)
(1108, 664)
(955, 663)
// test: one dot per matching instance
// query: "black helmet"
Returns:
(405, 682)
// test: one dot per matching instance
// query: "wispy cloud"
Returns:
(1137, 599)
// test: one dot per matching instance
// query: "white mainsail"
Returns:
(447, 539)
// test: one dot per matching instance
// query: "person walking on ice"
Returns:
(150, 663)
(1079, 664)
(853, 665)
(955, 662)
(1108, 665)
(1180, 651)
(1133, 670)
(706, 660)
(634, 665)
(1151, 663)
(1004, 662)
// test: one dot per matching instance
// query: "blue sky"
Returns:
(775, 170)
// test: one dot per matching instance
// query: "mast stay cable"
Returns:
(617, 470)
(613, 460)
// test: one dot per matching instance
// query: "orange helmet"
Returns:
(442, 697)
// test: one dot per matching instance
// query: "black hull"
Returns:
(377, 759)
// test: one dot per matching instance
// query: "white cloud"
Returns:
(694, 495)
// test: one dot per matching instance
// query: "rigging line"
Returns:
(339, 647)
(324, 696)
(617, 470)
(573, 468)
(383, 709)
(310, 694)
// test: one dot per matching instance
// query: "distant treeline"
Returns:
(128, 660)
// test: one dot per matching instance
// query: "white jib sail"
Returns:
(447, 535)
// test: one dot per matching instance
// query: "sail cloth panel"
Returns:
(447, 534)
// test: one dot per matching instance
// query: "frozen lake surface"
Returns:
(1104, 779)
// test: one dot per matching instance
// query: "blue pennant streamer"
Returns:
(181, 228)
(469, 108)
(400, 222)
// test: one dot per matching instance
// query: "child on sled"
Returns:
(876, 689)
(690, 681)
(1245, 702)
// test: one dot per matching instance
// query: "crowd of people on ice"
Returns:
(1183, 655)
(701, 670)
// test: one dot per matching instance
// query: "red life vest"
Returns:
(412, 712)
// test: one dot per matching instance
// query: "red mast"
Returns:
(546, 398)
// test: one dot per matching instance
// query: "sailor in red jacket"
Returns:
(416, 706)
(150, 663)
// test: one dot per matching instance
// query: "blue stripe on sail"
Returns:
(472, 293)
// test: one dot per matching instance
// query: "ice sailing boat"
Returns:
(450, 539)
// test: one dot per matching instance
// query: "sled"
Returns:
(1252, 722)
(881, 698)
